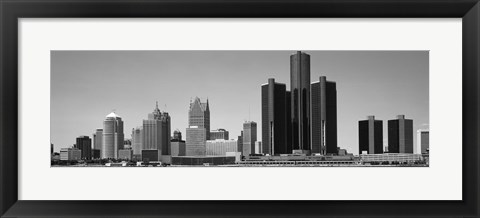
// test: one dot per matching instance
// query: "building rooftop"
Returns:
(113, 114)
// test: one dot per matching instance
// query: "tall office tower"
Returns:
(196, 139)
(423, 141)
(240, 142)
(249, 137)
(51, 148)
(219, 134)
(137, 139)
(84, 143)
(199, 115)
(274, 118)
(177, 135)
(300, 100)
(156, 132)
(97, 139)
(288, 112)
(166, 133)
(324, 116)
(112, 138)
(370, 136)
(400, 135)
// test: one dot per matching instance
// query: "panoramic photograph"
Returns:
(239, 108)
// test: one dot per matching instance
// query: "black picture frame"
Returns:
(12, 10)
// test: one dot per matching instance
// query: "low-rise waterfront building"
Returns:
(70, 154)
(220, 147)
(125, 154)
(391, 158)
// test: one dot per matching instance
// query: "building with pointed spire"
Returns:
(198, 131)
(112, 136)
(199, 116)
(156, 132)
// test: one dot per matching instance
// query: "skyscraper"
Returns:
(324, 116)
(219, 134)
(423, 141)
(97, 139)
(400, 135)
(249, 137)
(300, 100)
(137, 138)
(199, 115)
(112, 138)
(84, 143)
(195, 143)
(156, 132)
(274, 118)
(288, 112)
(240, 141)
(370, 136)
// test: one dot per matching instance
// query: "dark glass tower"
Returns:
(400, 135)
(240, 142)
(324, 116)
(84, 143)
(370, 136)
(274, 118)
(288, 122)
(300, 100)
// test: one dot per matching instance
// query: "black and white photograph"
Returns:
(317, 108)
(239, 108)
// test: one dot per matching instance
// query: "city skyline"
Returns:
(281, 77)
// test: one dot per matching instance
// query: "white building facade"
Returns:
(220, 147)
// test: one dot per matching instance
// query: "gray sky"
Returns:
(88, 85)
